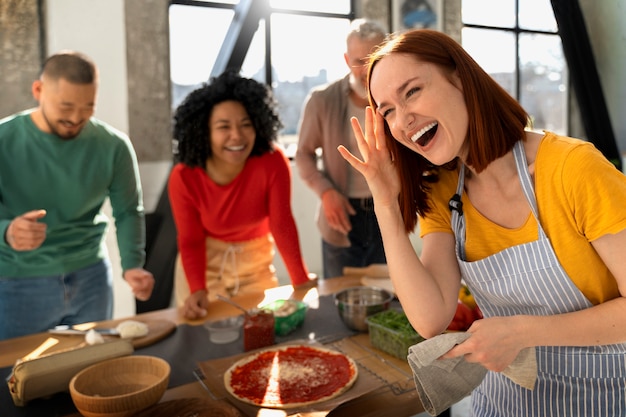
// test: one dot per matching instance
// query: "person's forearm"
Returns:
(306, 165)
(428, 302)
(287, 241)
(603, 324)
(131, 239)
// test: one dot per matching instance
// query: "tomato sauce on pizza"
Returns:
(290, 376)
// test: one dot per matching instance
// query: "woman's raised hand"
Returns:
(377, 166)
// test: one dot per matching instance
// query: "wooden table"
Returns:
(381, 402)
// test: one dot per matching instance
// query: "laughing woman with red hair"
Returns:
(533, 223)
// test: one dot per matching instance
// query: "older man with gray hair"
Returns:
(345, 218)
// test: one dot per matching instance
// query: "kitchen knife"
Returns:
(64, 329)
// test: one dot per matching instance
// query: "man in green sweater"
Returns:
(58, 165)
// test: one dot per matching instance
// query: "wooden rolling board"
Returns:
(157, 330)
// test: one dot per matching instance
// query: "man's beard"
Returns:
(358, 87)
(55, 131)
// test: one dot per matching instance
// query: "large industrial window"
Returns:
(306, 39)
(518, 44)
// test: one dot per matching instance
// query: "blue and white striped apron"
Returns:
(528, 279)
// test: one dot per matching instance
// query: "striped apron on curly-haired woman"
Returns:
(528, 279)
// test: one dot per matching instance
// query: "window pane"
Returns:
(317, 60)
(253, 65)
(326, 6)
(499, 13)
(494, 50)
(196, 35)
(544, 81)
(314, 54)
(537, 15)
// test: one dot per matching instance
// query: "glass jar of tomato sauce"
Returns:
(258, 329)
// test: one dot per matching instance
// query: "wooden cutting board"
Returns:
(190, 407)
(38, 344)
(384, 283)
(157, 330)
(373, 270)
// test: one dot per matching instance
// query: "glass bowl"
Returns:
(225, 330)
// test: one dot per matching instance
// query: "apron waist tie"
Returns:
(231, 251)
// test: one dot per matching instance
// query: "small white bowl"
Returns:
(225, 330)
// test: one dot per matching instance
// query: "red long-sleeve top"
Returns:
(256, 202)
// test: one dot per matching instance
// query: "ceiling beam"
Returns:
(244, 25)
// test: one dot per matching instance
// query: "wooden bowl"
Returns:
(120, 387)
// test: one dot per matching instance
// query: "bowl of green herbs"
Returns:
(391, 332)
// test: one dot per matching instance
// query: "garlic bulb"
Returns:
(92, 337)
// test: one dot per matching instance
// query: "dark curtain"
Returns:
(585, 78)
(161, 251)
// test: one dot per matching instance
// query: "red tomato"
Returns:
(463, 318)
(477, 313)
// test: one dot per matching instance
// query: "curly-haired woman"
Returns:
(230, 194)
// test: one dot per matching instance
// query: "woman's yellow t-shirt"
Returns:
(580, 196)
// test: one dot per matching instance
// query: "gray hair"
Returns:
(366, 30)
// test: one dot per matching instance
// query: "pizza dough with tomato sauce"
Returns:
(290, 376)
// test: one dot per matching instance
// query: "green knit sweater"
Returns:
(71, 179)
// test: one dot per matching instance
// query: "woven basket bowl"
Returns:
(120, 387)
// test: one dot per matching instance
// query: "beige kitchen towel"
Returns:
(443, 382)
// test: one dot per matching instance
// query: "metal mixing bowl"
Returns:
(355, 304)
